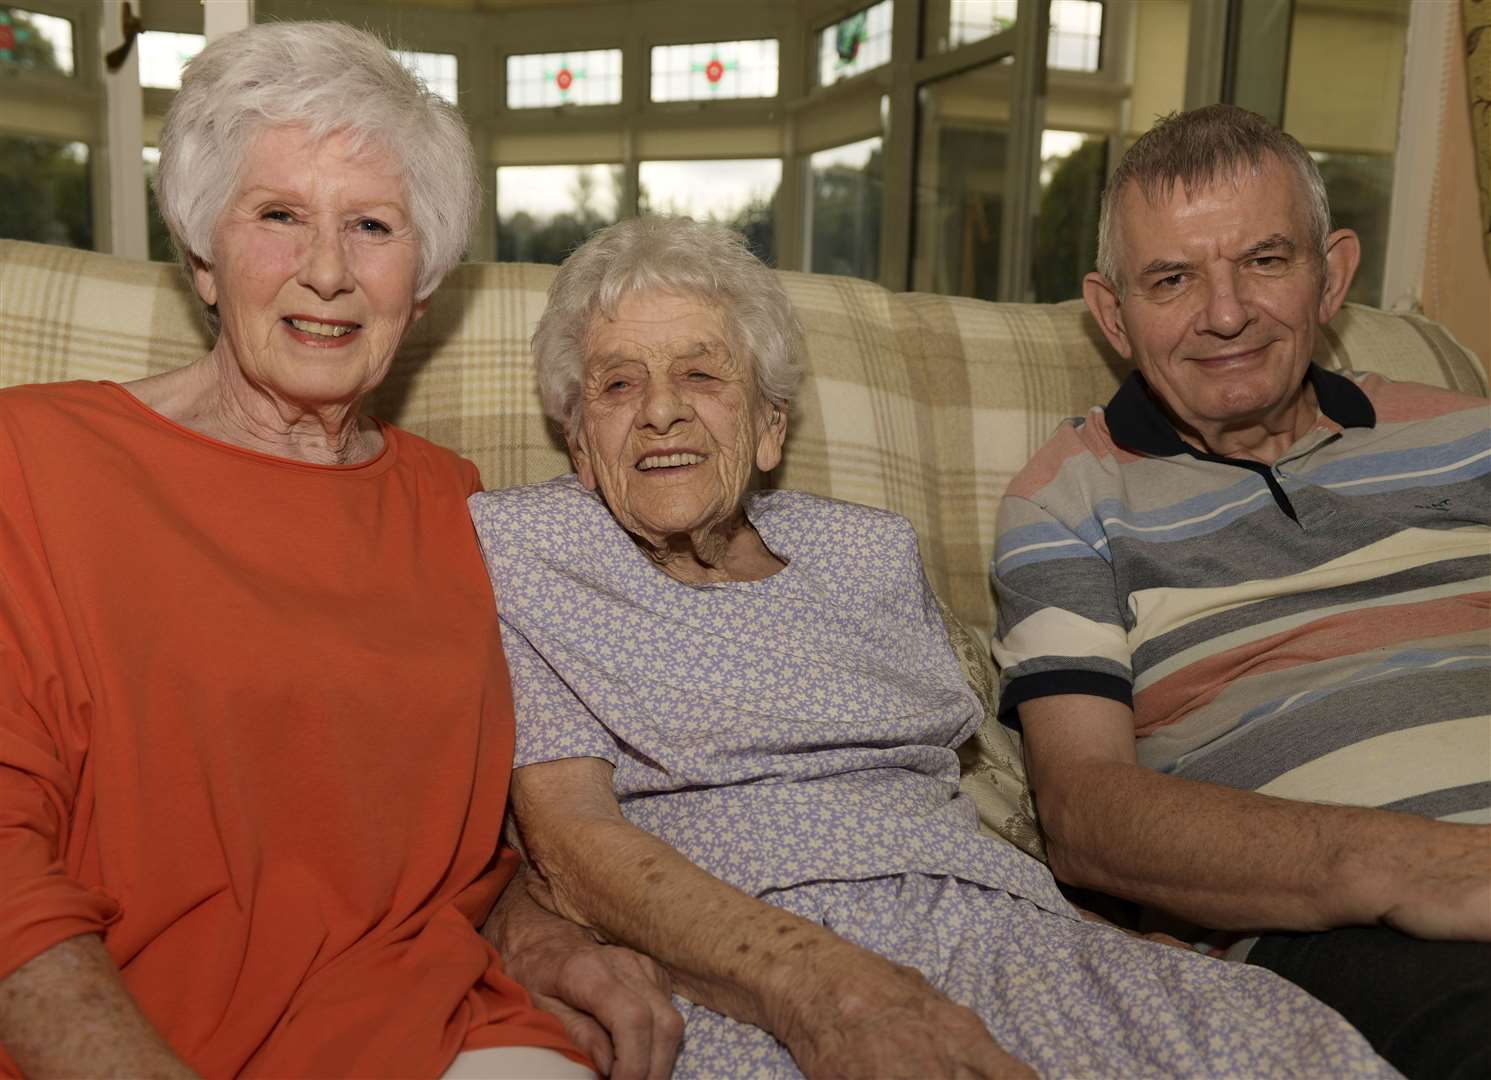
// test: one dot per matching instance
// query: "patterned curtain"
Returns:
(1477, 23)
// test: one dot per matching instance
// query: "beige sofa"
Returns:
(925, 405)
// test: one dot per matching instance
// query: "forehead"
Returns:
(1228, 208)
(288, 158)
(652, 321)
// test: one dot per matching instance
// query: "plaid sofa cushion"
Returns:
(925, 405)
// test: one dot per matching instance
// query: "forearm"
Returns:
(722, 948)
(1232, 859)
(66, 1012)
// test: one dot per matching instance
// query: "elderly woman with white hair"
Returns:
(255, 725)
(736, 714)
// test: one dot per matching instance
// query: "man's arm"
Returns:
(66, 1012)
(1233, 859)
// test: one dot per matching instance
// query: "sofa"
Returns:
(925, 405)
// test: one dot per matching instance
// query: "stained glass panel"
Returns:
(32, 41)
(720, 69)
(1076, 28)
(544, 80)
(854, 44)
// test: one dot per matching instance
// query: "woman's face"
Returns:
(314, 267)
(671, 422)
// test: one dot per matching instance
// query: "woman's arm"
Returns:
(66, 1012)
(614, 1003)
(840, 1010)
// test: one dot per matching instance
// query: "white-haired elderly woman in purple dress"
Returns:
(736, 718)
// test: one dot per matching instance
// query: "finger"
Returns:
(589, 1036)
(629, 1022)
(667, 1037)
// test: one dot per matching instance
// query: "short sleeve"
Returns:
(552, 723)
(1060, 626)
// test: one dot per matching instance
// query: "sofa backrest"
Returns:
(925, 405)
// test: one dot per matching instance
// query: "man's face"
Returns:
(1224, 292)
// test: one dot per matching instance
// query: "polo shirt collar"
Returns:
(1136, 421)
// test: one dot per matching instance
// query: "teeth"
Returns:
(320, 328)
(668, 461)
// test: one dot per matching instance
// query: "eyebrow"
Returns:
(1277, 242)
(1166, 267)
(263, 191)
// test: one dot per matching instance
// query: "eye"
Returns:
(699, 376)
(1172, 281)
(373, 227)
(616, 385)
(277, 214)
(1269, 262)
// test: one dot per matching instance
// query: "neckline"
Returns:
(752, 512)
(376, 465)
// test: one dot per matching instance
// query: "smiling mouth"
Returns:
(321, 329)
(669, 461)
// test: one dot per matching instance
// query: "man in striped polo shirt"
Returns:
(1243, 609)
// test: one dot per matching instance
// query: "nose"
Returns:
(324, 267)
(662, 404)
(1226, 311)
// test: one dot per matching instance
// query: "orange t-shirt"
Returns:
(255, 729)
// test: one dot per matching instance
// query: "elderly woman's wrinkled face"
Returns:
(314, 267)
(671, 421)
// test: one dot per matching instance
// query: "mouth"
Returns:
(320, 331)
(678, 460)
(1236, 356)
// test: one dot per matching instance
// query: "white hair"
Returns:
(329, 78)
(1199, 148)
(671, 255)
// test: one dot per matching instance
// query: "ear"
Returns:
(205, 281)
(773, 435)
(1343, 254)
(579, 456)
(1102, 300)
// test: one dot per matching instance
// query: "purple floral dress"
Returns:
(793, 736)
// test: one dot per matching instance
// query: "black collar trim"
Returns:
(1136, 421)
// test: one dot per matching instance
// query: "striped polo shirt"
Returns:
(1316, 629)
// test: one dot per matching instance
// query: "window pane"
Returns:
(722, 69)
(538, 80)
(160, 237)
(545, 211)
(47, 197)
(1076, 28)
(1353, 54)
(1360, 190)
(32, 41)
(163, 55)
(962, 148)
(1073, 167)
(739, 193)
(847, 193)
(436, 70)
(855, 44)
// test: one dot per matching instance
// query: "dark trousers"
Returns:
(1423, 1005)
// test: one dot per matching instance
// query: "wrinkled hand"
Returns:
(891, 1024)
(614, 1003)
(1442, 887)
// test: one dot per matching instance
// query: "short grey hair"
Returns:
(671, 255)
(1200, 148)
(330, 78)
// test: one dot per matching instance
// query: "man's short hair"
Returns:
(1200, 148)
